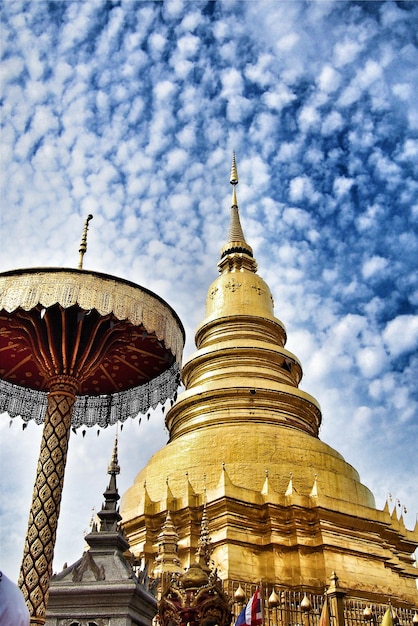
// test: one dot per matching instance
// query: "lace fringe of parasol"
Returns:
(93, 410)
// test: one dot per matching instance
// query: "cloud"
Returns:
(372, 360)
(329, 79)
(373, 266)
(302, 188)
(401, 334)
(308, 117)
(332, 123)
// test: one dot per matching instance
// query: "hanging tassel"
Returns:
(10, 423)
(121, 427)
(84, 433)
(139, 422)
(74, 430)
(24, 426)
(98, 432)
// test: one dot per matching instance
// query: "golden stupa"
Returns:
(284, 508)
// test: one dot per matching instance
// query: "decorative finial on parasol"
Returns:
(83, 245)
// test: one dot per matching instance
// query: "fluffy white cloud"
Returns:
(401, 334)
(372, 360)
(301, 188)
(329, 79)
(308, 117)
(332, 123)
(346, 51)
(297, 217)
(232, 83)
(157, 43)
(373, 266)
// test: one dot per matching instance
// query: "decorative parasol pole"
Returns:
(38, 553)
(92, 349)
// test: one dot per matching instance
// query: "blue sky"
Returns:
(131, 111)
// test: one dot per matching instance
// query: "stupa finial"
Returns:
(234, 172)
(83, 245)
(235, 230)
(234, 181)
(236, 246)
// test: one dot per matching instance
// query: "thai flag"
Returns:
(251, 615)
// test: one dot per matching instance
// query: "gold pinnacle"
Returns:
(234, 180)
(234, 173)
(83, 245)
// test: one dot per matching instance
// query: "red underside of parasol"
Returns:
(104, 354)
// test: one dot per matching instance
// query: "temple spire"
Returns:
(167, 560)
(234, 172)
(234, 182)
(204, 547)
(109, 515)
(109, 534)
(113, 468)
(236, 253)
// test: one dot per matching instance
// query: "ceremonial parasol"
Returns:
(77, 348)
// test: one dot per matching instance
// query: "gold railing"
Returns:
(358, 612)
(297, 608)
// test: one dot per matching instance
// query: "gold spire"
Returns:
(83, 245)
(234, 172)
(167, 559)
(234, 181)
(235, 233)
(236, 246)
(204, 547)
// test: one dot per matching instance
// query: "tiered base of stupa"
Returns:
(280, 529)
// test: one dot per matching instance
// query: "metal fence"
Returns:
(354, 614)
(284, 607)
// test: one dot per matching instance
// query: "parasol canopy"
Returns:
(121, 342)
